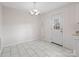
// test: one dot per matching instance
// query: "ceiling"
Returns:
(43, 7)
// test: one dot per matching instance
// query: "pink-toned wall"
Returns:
(19, 26)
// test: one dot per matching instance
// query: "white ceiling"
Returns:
(42, 6)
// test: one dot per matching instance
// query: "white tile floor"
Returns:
(36, 48)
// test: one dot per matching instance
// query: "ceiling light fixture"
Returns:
(34, 11)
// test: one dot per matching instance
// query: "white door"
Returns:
(57, 33)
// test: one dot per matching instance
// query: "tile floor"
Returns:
(37, 48)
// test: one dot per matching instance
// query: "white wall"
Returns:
(45, 27)
(70, 13)
(0, 27)
(19, 26)
(69, 21)
(0, 20)
(47, 21)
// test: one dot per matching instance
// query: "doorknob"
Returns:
(61, 31)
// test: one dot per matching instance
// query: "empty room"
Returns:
(39, 29)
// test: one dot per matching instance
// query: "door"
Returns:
(57, 29)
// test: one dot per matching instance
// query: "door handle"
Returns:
(61, 31)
